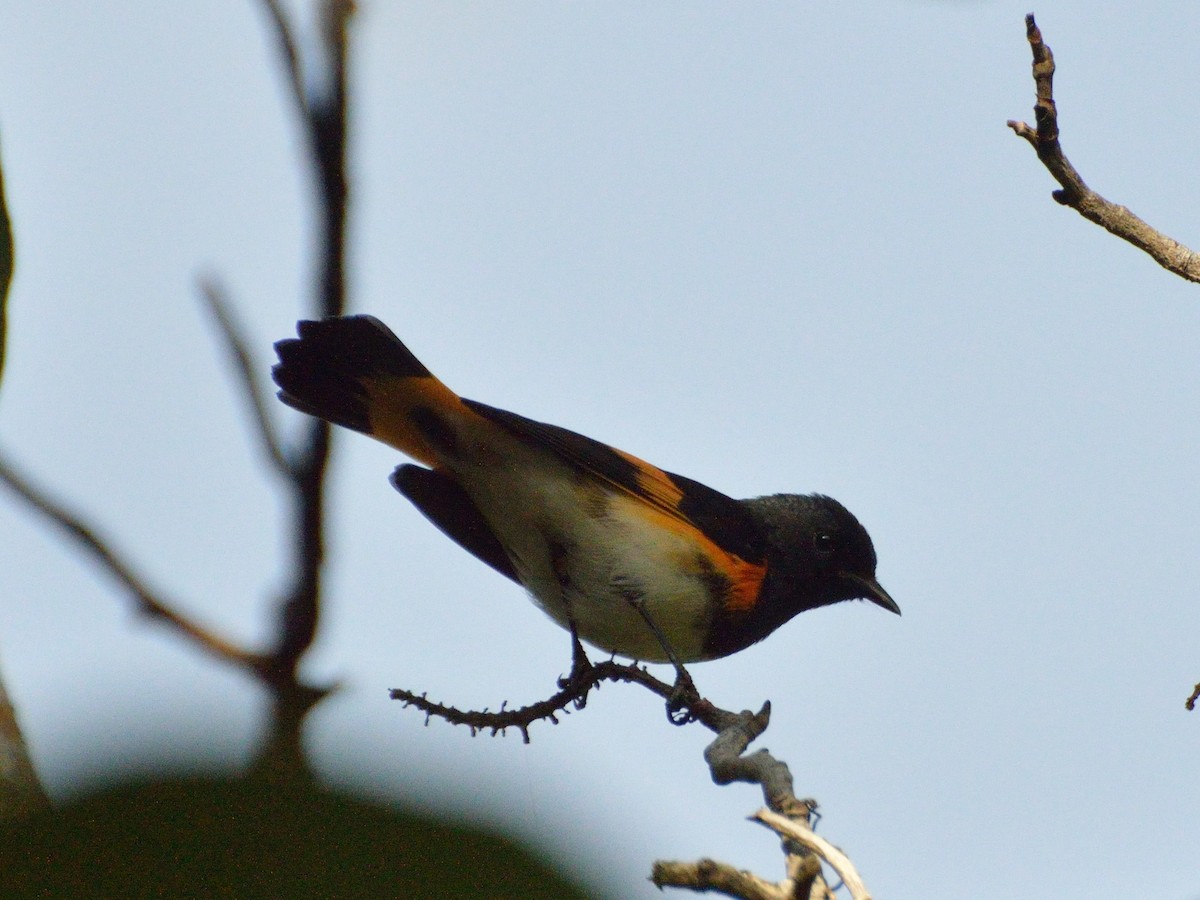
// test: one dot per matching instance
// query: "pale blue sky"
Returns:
(775, 247)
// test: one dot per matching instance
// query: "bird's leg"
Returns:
(580, 664)
(683, 693)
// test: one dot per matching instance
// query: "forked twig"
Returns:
(324, 120)
(1118, 220)
(791, 829)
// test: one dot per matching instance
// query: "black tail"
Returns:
(325, 371)
(354, 372)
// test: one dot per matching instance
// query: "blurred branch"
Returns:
(218, 305)
(323, 115)
(288, 54)
(148, 601)
(325, 121)
(291, 699)
(1167, 252)
(327, 125)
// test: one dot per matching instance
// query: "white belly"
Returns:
(585, 561)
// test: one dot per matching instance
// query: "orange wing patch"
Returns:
(654, 484)
(720, 528)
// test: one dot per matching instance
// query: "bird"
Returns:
(634, 560)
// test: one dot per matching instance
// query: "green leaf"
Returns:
(6, 265)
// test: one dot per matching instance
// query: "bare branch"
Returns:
(727, 762)
(799, 831)
(327, 129)
(1191, 700)
(706, 875)
(572, 693)
(217, 302)
(283, 755)
(325, 118)
(1118, 220)
(808, 882)
(148, 601)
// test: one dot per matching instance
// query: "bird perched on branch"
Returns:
(634, 560)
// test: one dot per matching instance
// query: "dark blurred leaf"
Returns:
(6, 266)
(250, 839)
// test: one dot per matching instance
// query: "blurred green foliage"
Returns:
(253, 839)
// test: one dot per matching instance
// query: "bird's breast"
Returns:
(589, 554)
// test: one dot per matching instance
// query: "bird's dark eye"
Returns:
(823, 543)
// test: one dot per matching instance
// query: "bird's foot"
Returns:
(580, 667)
(683, 696)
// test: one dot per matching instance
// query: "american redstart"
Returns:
(634, 560)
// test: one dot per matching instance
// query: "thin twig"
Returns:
(728, 763)
(1118, 220)
(217, 302)
(572, 693)
(289, 55)
(148, 600)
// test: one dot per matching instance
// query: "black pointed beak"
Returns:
(873, 591)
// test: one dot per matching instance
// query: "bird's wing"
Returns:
(684, 504)
(444, 503)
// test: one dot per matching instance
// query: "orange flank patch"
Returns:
(745, 581)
